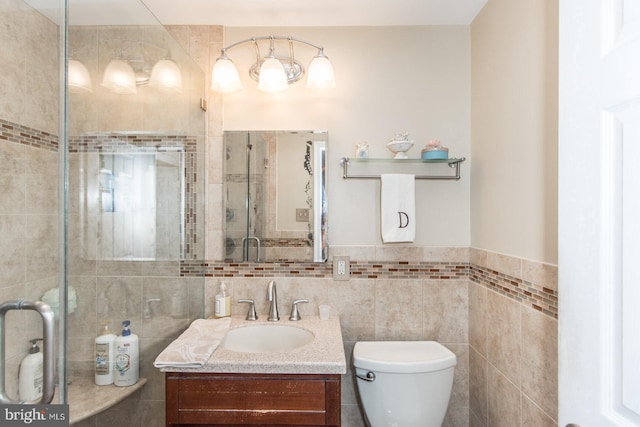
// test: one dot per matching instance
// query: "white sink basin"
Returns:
(266, 338)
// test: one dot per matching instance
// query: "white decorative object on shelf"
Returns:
(400, 144)
(362, 150)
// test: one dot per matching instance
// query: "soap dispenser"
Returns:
(31, 374)
(223, 302)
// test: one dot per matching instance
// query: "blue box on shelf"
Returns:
(435, 154)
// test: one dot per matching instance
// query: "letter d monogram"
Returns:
(404, 220)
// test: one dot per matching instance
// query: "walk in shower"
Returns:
(103, 190)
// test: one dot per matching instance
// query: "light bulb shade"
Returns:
(272, 76)
(119, 77)
(225, 77)
(320, 75)
(166, 74)
(78, 77)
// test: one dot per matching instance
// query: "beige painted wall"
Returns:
(514, 129)
(388, 79)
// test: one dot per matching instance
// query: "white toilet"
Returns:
(404, 383)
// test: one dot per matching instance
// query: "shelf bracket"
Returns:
(453, 163)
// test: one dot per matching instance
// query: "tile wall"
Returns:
(497, 313)
(28, 231)
(513, 332)
(118, 290)
(400, 297)
(28, 171)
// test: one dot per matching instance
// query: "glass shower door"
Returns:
(246, 164)
(136, 194)
(32, 203)
(103, 191)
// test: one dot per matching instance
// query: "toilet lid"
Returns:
(402, 356)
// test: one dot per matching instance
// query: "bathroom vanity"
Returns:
(257, 387)
(252, 399)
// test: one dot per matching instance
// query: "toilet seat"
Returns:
(402, 356)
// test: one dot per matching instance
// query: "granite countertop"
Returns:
(324, 355)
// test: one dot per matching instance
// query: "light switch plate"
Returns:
(341, 268)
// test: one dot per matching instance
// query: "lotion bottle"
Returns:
(31, 375)
(105, 349)
(126, 357)
(223, 302)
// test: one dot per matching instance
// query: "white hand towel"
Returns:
(193, 348)
(397, 208)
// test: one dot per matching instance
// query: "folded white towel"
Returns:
(193, 348)
(397, 208)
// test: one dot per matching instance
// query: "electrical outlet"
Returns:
(302, 215)
(341, 268)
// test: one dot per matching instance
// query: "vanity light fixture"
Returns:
(79, 79)
(273, 73)
(120, 76)
(166, 74)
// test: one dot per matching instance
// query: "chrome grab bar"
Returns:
(48, 386)
(371, 377)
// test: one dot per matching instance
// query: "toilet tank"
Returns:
(412, 385)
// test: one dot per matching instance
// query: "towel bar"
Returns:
(453, 163)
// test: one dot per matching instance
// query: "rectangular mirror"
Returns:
(132, 199)
(139, 199)
(275, 196)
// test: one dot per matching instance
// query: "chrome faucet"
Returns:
(272, 297)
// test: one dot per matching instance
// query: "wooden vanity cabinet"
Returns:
(216, 399)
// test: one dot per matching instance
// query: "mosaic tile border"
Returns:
(114, 141)
(25, 135)
(267, 269)
(359, 269)
(538, 297)
(409, 270)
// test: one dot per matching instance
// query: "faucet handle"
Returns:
(251, 314)
(295, 315)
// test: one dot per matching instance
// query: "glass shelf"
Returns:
(453, 163)
(392, 160)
